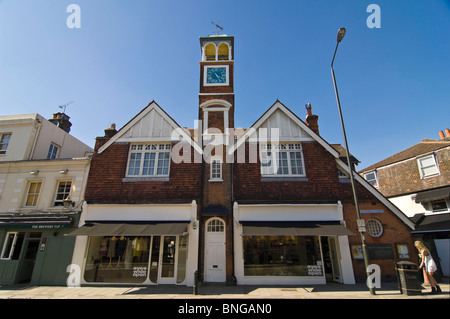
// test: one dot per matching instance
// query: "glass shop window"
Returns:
(282, 256)
(117, 259)
(12, 246)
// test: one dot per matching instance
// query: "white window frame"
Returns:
(216, 170)
(420, 164)
(3, 143)
(13, 246)
(377, 184)
(149, 148)
(52, 154)
(269, 154)
(55, 199)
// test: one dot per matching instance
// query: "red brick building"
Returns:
(271, 204)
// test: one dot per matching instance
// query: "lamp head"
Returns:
(340, 34)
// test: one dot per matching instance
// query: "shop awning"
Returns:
(435, 194)
(130, 229)
(294, 228)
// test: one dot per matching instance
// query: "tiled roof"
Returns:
(426, 146)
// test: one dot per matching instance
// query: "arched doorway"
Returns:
(215, 265)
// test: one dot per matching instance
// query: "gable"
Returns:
(291, 128)
(152, 124)
(288, 129)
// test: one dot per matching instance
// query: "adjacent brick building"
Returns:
(269, 204)
(417, 180)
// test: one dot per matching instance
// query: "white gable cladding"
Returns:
(288, 130)
(151, 125)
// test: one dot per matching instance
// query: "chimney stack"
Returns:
(311, 119)
(101, 140)
(61, 120)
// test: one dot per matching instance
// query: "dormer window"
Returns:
(428, 166)
(372, 178)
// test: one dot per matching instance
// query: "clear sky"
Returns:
(393, 81)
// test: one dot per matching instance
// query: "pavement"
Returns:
(388, 290)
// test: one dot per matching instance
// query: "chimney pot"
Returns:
(441, 134)
(447, 132)
(312, 120)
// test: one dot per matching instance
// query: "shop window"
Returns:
(5, 138)
(282, 160)
(34, 189)
(149, 160)
(374, 227)
(12, 245)
(282, 256)
(117, 259)
(62, 192)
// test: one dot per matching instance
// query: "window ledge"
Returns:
(215, 180)
(284, 179)
(145, 179)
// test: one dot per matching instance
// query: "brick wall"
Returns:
(106, 185)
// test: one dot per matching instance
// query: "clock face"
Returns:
(217, 75)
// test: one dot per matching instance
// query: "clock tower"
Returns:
(216, 97)
(216, 120)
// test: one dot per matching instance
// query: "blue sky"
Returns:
(393, 81)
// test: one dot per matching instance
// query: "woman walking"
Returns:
(429, 264)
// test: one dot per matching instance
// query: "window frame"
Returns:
(378, 224)
(56, 193)
(216, 163)
(422, 168)
(270, 153)
(149, 148)
(12, 247)
(27, 195)
(2, 143)
(377, 183)
(53, 151)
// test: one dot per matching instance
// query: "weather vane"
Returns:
(218, 27)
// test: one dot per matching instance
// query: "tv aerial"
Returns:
(218, 27)
(63, 107)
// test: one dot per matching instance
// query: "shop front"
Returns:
(291, 244)
(138, 251)
(34, 249)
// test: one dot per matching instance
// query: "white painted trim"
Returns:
(152, 106)
(205, 74)
(278, 105)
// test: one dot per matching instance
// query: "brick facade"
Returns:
(106, 182)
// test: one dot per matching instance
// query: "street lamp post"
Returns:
(340, 36)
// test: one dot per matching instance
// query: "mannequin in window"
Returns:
(111, 249)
